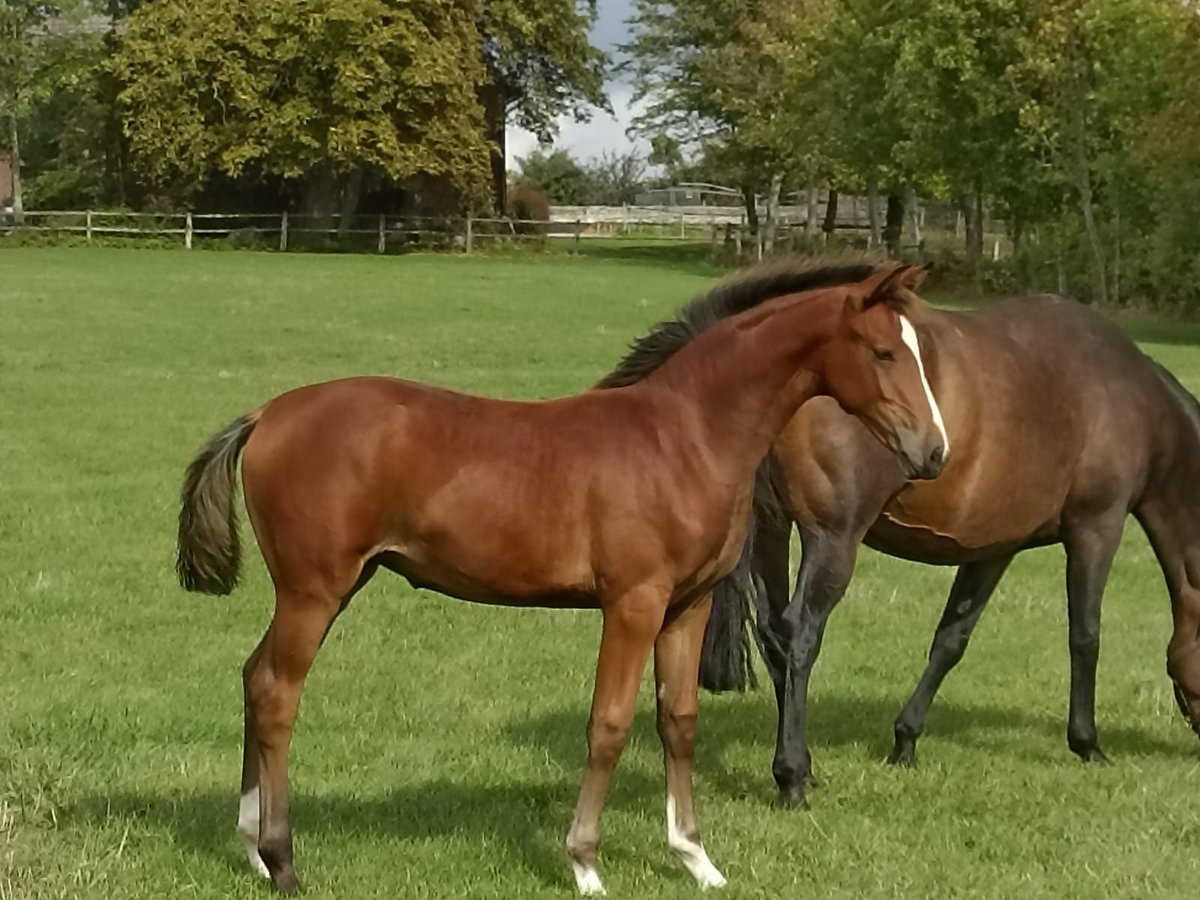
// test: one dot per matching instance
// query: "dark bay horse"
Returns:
(634, 501)
(1060, 428)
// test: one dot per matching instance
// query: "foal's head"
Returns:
(873, 368)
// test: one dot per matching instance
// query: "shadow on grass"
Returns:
(691, 258)
(747, 724)
(526, 821)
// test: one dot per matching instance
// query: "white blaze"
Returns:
(909, 335)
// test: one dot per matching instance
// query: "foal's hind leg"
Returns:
(677, 675)
(273, 677)
(631, 623)
(973, 587)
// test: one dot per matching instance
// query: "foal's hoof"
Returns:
(903, 754)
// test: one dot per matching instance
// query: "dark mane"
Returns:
(730, 297)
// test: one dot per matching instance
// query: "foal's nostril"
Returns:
(936, 458)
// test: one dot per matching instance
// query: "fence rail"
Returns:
(394, 233)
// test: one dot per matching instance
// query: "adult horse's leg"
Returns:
(772, 551)
(1174, 534)
(677, 675)
(631, 624)
(1090, 550)
(825, 569)
(972, 588)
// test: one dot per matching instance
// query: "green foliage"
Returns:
(233, 85)
(610, 180)
(540, 61)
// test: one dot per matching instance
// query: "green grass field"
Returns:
(440, 745)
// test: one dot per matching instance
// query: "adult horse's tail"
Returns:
(210, 552)
(726, 662)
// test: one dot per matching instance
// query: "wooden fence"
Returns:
(724, 229)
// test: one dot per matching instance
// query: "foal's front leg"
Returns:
(631, 623)
(676, 676)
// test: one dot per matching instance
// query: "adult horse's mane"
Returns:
(730, 297)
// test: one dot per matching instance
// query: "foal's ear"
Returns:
(889, 286)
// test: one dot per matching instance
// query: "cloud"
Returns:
(587, 140)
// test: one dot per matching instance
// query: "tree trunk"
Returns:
(351, 191)
(829, 226)
(320, 196)
(18, 198)
(894, 224)
(495, 112)
(1083, 183)
(811, 214)
(772, 222)
(971, 208)
(977, 224)
(873, 212)
(914, 218)
(751, 201)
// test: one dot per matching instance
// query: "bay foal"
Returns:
(634, 500)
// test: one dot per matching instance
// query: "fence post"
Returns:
(738, 242)
(383, 233)
(187, 232)
(578, 231)
(283, 226)
(713, 249)
(759, 237)
(470, 233)
(89, 226)
(682, 228)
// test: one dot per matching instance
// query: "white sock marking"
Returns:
(691, 853)
(909, 335)
(587, 879)
(247, 828)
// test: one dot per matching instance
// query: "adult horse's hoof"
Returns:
(285, 880)
(1092, 754)
(903, 754)
(793, 797)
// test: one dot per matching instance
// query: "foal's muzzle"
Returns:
(922, 459)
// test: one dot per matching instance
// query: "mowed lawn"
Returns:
(440, 745)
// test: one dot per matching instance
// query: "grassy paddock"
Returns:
(440, 745)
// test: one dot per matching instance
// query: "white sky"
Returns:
(586, 140)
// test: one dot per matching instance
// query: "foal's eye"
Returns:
(883, 354)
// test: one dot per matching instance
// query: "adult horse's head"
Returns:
(874, 369)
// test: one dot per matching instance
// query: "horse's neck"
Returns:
(748, 375)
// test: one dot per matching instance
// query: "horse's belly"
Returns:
(948, 523)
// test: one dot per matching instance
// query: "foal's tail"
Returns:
(209, 548)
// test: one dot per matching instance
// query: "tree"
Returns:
(540, 66)
(617, 178)
(349, 85)
(40, 51)
(558, 176)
